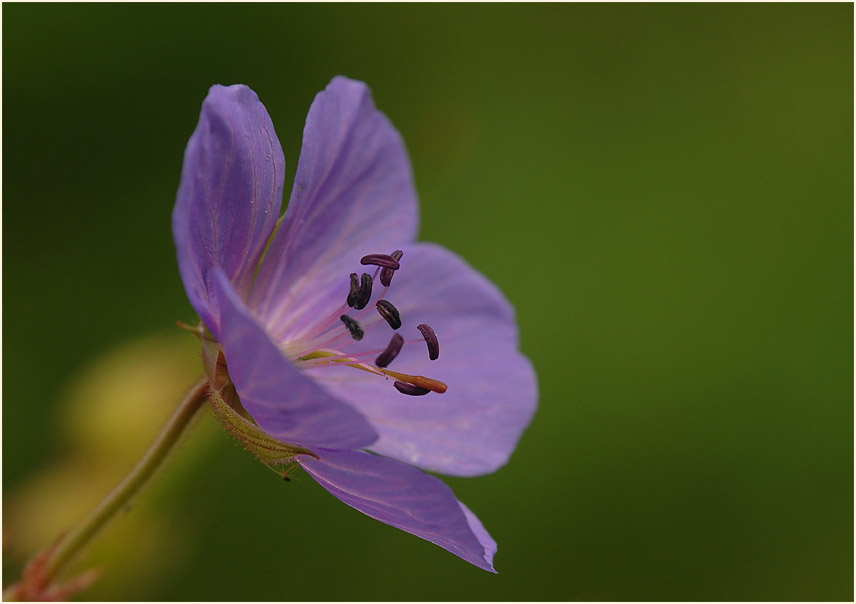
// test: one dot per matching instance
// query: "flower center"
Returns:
(322, 345)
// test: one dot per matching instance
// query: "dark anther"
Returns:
(389, 313)
(431, 340)
(405, 388)
(392, 350)
(361, 291)
(387, 273)
(365, 292)
(353, 327)
(382, 260)
(354, 293)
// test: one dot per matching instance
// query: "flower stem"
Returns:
(76, 539)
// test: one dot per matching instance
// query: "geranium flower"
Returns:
(346, 347)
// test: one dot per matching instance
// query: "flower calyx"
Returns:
(267, 449)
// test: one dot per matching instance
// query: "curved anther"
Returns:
(392, 350)
(410, 389)
(389, 313)
(382, 260)
(431, 340)
(387, 273)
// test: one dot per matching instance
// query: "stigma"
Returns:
(322, 346)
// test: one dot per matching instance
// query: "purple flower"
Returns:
(331, 356)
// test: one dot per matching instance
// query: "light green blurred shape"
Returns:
(112, 413)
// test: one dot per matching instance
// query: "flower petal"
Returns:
(402, 496)
(285, 403)
(475, 425)
(229, 197)
(353, 194)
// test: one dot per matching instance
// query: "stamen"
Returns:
(382, 260)
(388, 355)
(316, 349)
(389, 313)
(418, 380)
(361, 292)
(354, 294)
(321, 358)
(410, 389)
(431, 340)
(365, 292)
(353, 326)
(387, 273)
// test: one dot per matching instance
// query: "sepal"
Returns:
(267, 449)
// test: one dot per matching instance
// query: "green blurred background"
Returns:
(665, 192)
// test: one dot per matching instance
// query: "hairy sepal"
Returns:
(267, 449)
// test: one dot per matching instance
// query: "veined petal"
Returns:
(353, 195)
(475, 425)
(230, 195)
(285, 403)
(406, 498)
